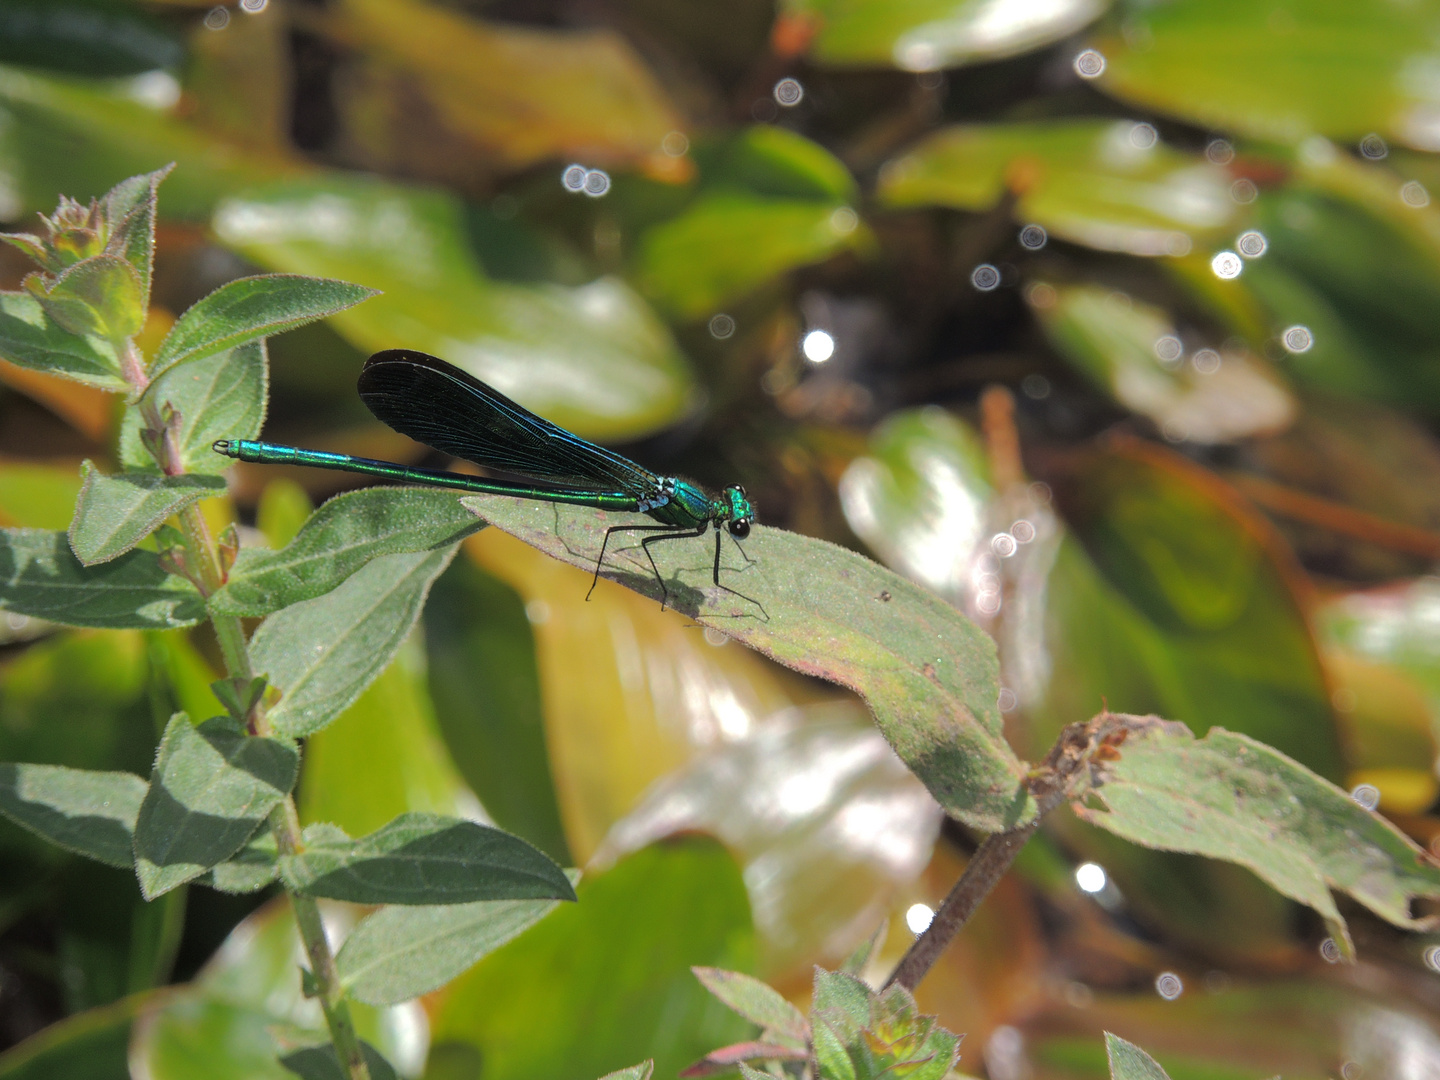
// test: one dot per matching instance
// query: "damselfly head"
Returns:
(740, 513)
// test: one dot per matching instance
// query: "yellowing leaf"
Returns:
(526, 94)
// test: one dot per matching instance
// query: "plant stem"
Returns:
(986, 867)
(285, 824)
(1062, 775)
(200, 547)
(284, 821)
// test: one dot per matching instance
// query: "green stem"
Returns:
(285, 824)
(203, 557)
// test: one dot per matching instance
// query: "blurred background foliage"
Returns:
(1112, 322)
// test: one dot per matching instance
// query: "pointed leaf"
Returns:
(40, 577)
(843, 1001)
(754, 1000)
(323, 1063)
(130, 209)
(426, 859)
(211, 788)
(1230, 797)
(634, 1072)
(250, 308)
(90, 813)
(323, 653)
(114, 513)
(31, 339)
(100, 296)
(219, 397)
(1129, 1062)
(401, 952)
(928, 674)
(340, 537)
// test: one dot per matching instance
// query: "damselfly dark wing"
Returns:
(449, 409)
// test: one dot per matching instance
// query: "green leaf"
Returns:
(323, 1063)
(477, 634)
(339, 538)
(426, 859)
(86, 38)
(100, 296)
(401, 952)
(766, 160)
(40, 577)
(130, 212)
(90, 813)
(1117, 343)
(928, 674)
(31, 339)
(927, 35)
(249, 870)
(1129, 1062)
(250, 308)
(725, 245)
(1107, 184)
(1230, 797)
(211, 788)
(593, 359)
(608, 979)
(755, 1001)
(830, 1055)
(323, 653)
(1214, 626)
(1331, 69)
(219, 397)
(114, 513)
(643, 1071)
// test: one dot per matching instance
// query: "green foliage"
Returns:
(608, 978)
(352, 633)
(336, 541)
(40, 577)
(248, 309)
(858, 204)
(1129, 1062)
(212, 786)
(423, 859)
(117, 512)
(853, 1032)
(927, 673)
(401, 952)
(1233, 798)
(90, 813)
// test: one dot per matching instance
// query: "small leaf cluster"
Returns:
(853, 1032)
